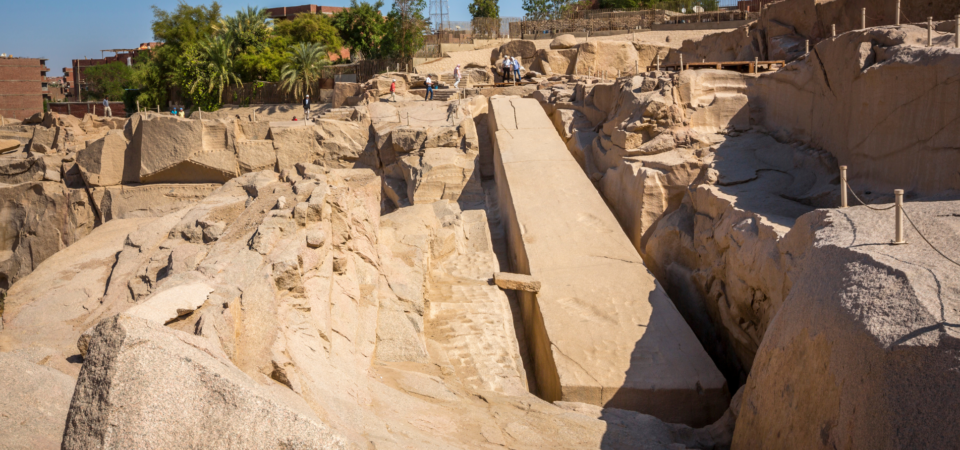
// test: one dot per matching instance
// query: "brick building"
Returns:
(290, 12)
(22, 86)
(126, 56)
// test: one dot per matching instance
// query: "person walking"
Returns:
(306, 107)
(106, 107)
(429, 94)
(456, 76)
(393, 90)
(516, 70)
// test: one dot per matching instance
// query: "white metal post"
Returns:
(863, 19)
(843, 186)
(681, 62)
(898, 13)
(833, 30)
(898, 194)
(808, 46)
(929, 31)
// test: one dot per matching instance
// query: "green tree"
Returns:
(205, 70)
(150, 79)
(108, 80)
(263, 64)
(310, 28)
(622, 4)
(180, 31)
(303, 67)
(246, 29)
(538, 9)
(484, 8)
(405, 29)
(361, 28)
(185, 25)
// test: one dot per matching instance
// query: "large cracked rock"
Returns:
(865, 334)
(104, 162)
(136, 368)
(37, 220)
(174, 150)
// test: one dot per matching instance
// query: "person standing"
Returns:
(456, 76)
(306, 107)
(506, 69)
(106, 107)
(516, 70)
(181, 113)
(393, 90)
(429, 94)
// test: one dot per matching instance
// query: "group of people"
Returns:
(510, 68)
(178, 112)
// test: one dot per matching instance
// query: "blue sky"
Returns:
(62, 30)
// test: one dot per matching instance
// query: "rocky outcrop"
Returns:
(847, 98)
(429, 153)
(864, 335)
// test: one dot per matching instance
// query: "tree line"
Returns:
(203, 51)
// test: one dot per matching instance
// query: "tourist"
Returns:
(456, 76)
(393, 90)
(506, 68)
(516, 70)
(306, 108)
(106, 107)
(294, 118)
(429, 94)
(181, 113)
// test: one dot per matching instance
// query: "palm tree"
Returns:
(248, 27)
(303, 67)
(219, 66)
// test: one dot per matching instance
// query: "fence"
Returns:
(594, 21)
(493, 27)
(80, 109)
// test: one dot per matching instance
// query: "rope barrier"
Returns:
(912, 224)
(925, 238)
(862, 202)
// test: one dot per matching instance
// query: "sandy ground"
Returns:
(482, 57)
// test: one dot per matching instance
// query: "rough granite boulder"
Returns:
(526, 50)
(104, 162)
(342, 91)
(146, 385)
(33, 404)
(174, 150)
(563, 41)
(606, 57)
(39, 219)
(866, 334)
